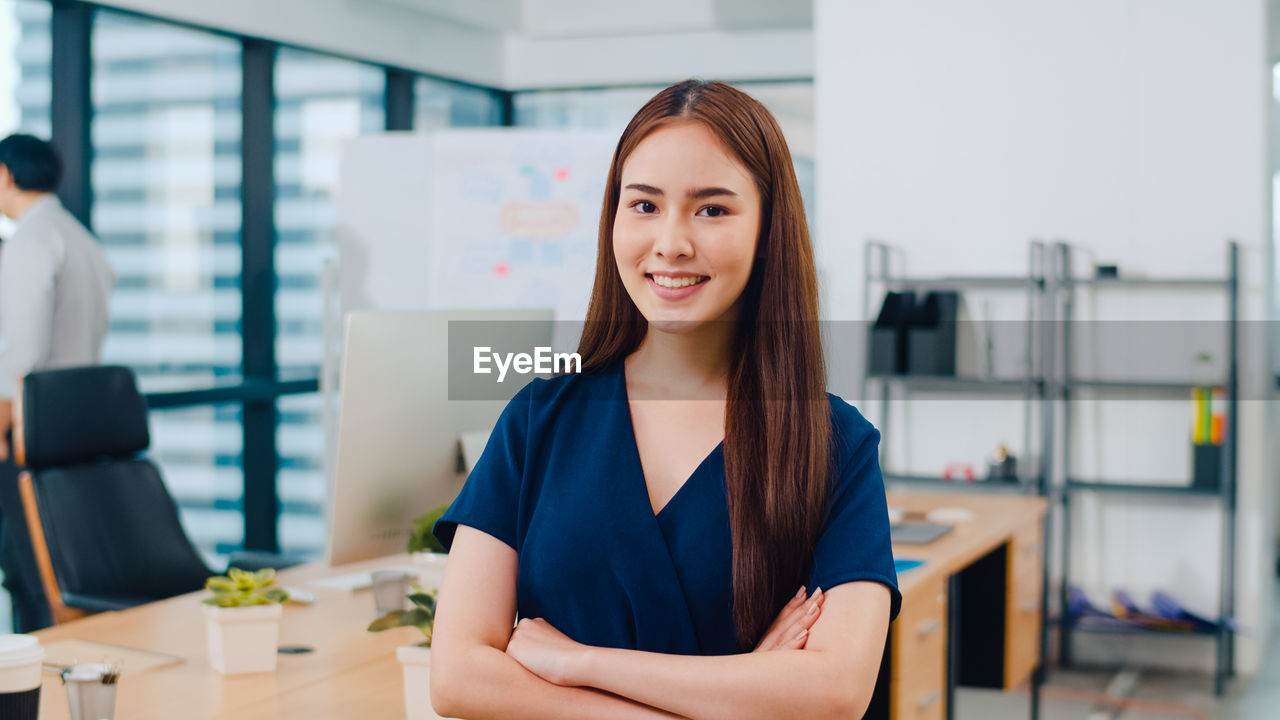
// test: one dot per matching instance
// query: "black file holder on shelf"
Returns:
(888, 355)
(931, 335)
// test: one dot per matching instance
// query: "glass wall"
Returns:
(301, 481)
(166, 131)
(198, 451)
(24, 101)
(166, 187)
(24, 72)
(320, 103)
(24, 67)
(440, 104)
(604, 109)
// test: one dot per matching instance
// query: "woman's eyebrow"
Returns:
(698, 194)
(703, 193)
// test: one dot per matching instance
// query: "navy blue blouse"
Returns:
(560, 481)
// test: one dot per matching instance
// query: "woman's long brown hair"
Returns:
(777, 417)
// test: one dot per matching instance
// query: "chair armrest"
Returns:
(256, 560)
(101, 603)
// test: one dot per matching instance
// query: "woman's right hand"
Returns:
(790, 630)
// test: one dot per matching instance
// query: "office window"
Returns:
(605, 109)
(166, 182)
(321, 101)
(300, 480)
(440, 104)
(24, 72)
(24, 67)
(198, 452)
(166, 179)
(24, 100)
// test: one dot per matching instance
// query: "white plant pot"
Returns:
(415, 660)
(430, 568)
(243, 639)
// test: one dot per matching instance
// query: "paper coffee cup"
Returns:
(20, 664)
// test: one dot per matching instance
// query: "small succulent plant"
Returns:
(422, 616)
(420, 538)
(240, 588)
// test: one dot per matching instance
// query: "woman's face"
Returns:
(686, 229)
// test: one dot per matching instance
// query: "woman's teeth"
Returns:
(670, 282)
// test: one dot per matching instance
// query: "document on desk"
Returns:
(65, 653)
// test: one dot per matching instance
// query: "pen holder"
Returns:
(1206, 467)
(390, 590)
(91, 691)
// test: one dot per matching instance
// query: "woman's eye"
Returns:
(645, 207)
(714, 211)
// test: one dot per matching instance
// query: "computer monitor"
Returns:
(398, 431)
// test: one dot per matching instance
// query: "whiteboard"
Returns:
(472, 218)
(483, 218)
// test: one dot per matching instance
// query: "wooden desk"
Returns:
(971, 614)
(303, 685)
(354, 673)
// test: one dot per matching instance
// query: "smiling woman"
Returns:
(650, 520)
(685, 234)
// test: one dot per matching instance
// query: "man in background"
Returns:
(55, 284)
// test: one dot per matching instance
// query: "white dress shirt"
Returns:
(55, 284)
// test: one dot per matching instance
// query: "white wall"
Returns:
(1134, 129)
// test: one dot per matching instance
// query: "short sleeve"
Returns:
(855, 544)
(489, 500)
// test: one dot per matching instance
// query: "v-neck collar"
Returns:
(635, 453)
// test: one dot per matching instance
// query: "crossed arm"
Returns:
(483, 669)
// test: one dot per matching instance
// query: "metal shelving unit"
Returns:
(941, 483)
(1130, 488)
(1224, 495)
(1033, 387)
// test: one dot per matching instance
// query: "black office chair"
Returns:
(104, 528)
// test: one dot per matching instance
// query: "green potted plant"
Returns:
(242, 621)
(427, 552)
(415, 660)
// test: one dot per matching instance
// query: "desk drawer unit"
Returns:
(1022, 617)
(919, 656)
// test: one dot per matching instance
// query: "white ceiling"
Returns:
(566, 43)
(532, 44)
(579, 19)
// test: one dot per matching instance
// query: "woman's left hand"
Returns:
(544, 650)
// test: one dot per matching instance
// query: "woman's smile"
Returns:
(675, 287)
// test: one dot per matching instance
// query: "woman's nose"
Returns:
(673, 240)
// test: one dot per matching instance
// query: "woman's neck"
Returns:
(691, 365)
